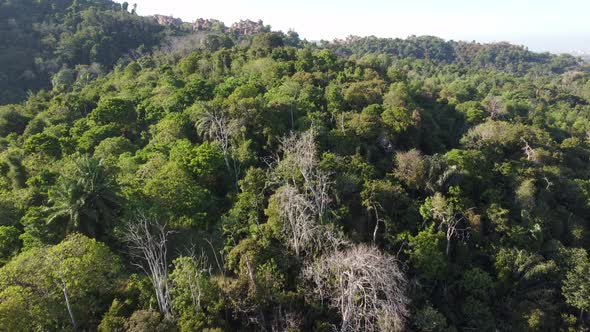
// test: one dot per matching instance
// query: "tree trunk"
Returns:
(344, 326)
(67, 297)
(376, 224)
(226, 159)
(236, 175)
(375, 231)
(251, 273)
(448, 249)
(292, 118)
(229, 168)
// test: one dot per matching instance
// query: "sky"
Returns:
(542, 25)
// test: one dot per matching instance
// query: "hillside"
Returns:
(468, 55)
(171, 176)
(42, 40)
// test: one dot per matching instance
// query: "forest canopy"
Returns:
(160, 177)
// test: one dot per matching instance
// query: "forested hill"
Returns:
(468, 55)
(38, 38)
(47, 42)
(169, 176)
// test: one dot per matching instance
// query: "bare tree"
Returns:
(192, 275)
(182, 46)
(297, 212)
(300, 223)
(450, 220)
(365, 286)
(372, 204)
(303, 197)
(488, 133)
(549, 183)
(300, 157)
(451, 226)
(56, 263)
(147, 239)
(283, 320)
(530, 153)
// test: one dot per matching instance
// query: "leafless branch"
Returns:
(365, 286)
(530, 153)
(298, 215)
(450, 221)
(300, 155)
(304, 194)
(146, 239)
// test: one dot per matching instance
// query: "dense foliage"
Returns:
(261, 182)
(468, 56)
(51, 42)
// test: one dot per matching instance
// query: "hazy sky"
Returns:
(542, 25)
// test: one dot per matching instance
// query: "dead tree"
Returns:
(365, 286)
(549, 183)
(450, 225)
(300, 155)
(530, 153)
(372, 204)
(300, 223)
(298, 214)
(376, 207)
(283, 320)
(450, 220)
(304, 194)
(193, 274)
(147, 239)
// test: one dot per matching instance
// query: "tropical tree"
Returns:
(214, 124)
(576, 287)
(85, 198)
(76, 274)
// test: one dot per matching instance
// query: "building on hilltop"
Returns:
(247, 27)
(167, 20)
(209, 24)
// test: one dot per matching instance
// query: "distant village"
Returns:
(243, 27)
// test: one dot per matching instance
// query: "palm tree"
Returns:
(214, 124)
(86, 198)
(527, 281)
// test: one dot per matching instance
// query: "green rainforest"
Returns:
(157, 175)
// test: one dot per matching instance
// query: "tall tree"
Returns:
(85, 197)
(576, 287)
(147, 240)
(215, 125)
